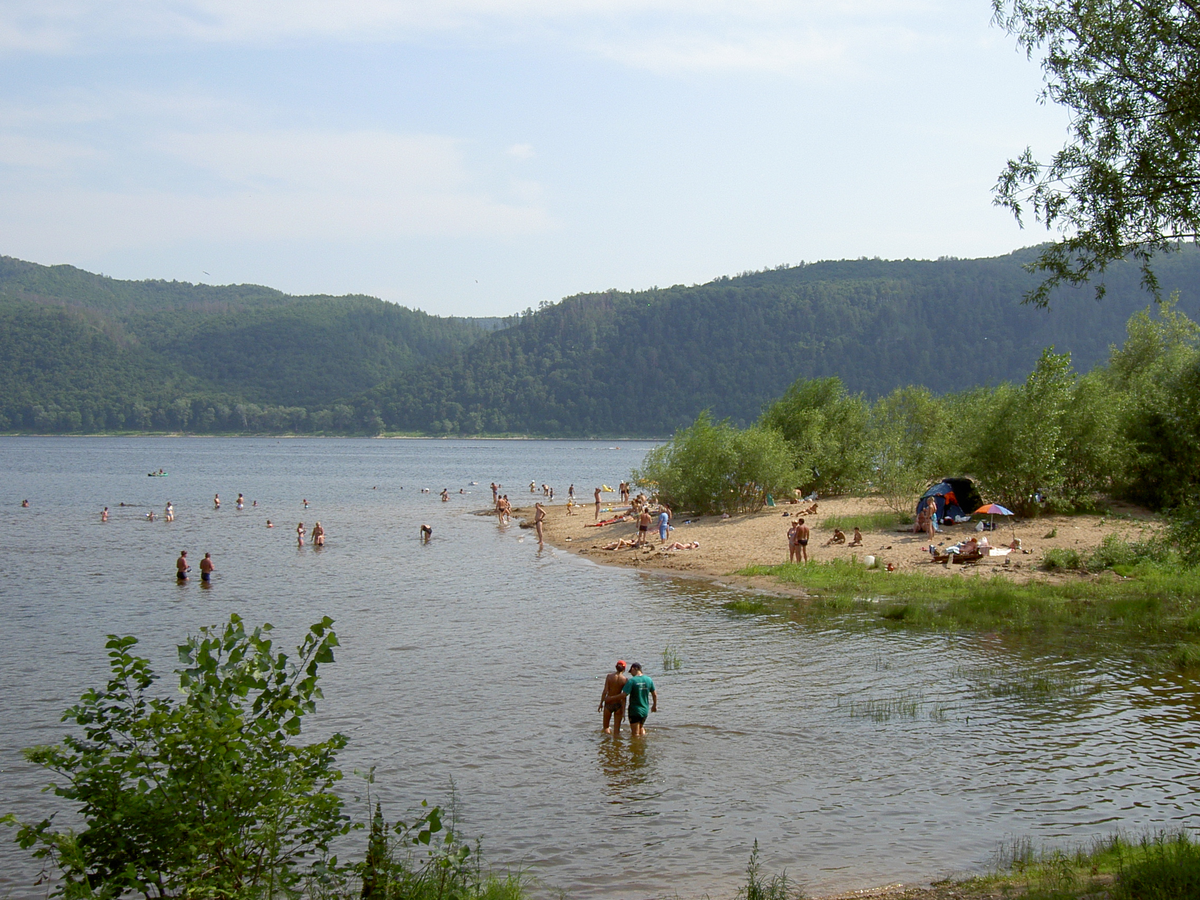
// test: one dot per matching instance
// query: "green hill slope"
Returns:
(167, 345)
(82, 352)
(645, 363)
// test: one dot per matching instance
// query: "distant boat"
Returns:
(159, 474)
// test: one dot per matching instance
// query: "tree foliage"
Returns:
(826, 430)
(205, 795)
(716, 468)
(1127, 181)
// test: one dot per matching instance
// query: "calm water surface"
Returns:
(855, 758)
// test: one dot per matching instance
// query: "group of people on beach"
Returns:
(637, 688)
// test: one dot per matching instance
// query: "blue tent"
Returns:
(950, 497)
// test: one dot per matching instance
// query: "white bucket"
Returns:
(869, 562)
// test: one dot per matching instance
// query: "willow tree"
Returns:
(1127, 181)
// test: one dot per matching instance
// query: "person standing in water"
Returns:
(318, 535)
(539, 516)
(300, 535)
(182, 566)
(216, 501)
(612, 700)
(241, 502)
(643, 699)
(104, 515)
(206, 568)
(170, 512)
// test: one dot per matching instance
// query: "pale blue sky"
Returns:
(475, 157)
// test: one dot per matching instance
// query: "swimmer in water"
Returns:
(270, 524)
(24, 504)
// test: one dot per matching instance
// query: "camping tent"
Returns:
(960, 492)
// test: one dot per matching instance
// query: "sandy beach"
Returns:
(730, 544)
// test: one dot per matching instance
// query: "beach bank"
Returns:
(730, 544)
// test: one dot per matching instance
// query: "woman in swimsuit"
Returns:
(300, 535)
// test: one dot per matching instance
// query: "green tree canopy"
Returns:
(1127, 182)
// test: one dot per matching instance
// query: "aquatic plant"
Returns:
(671, 660)
(759, 887)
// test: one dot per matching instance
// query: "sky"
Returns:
(480, 157)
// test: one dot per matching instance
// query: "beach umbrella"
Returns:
(993, 510)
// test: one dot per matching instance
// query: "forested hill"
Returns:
(647, 362)
(85, 352)
(81, 352)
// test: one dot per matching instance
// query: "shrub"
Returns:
(207, 794)
(714, 468)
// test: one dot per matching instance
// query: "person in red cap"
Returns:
(612, 699)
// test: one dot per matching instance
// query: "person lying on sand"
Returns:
(839, 537)
(687, 545)
(857, 541)
(619, 545)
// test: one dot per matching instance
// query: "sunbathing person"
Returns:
(687, 545)
(619, 545)
(839, 537)
(857, 542)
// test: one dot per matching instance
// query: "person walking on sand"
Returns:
(612, 700)
(643, 699)
(802, 533)
(597, 519)
(182, 566)
(206, 568)
(539, 516)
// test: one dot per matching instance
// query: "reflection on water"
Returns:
(625, 763)
(856, 756)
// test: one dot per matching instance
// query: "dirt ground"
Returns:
(730, 544)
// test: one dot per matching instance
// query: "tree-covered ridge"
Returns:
(647, 362)
(88, 353)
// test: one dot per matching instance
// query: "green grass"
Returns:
(1164, 866)
(1156, 604)
(877, 521)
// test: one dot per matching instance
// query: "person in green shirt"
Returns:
(643, 699)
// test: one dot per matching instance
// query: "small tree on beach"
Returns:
(715, 468)
(207, 795)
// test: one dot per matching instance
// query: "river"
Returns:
(855, 756)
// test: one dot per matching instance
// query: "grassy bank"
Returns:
(1156, 604)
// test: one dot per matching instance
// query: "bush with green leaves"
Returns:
(713, 467)
(1023, 449)
(827, 432)
(205, 794)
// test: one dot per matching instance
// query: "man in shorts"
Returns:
(643, 699)
(182, 566)
(612, 701)
(206, 568)
(802, 534)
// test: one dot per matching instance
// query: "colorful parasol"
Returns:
(993, 510)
